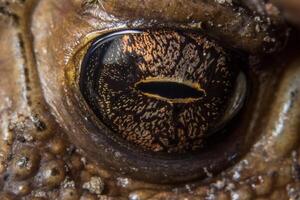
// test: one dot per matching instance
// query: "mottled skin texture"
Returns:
(38, 161)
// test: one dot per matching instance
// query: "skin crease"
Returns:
(32, 70)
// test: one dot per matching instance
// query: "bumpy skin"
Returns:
(38, 161)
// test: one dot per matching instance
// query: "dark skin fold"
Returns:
(235, 26)
(49, 147)
(290, 9)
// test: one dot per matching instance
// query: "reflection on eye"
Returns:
(162, 90)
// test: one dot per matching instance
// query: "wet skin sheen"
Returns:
(47, 149)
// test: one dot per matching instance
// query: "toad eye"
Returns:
(161, 91)
(157, 103)
(161, 97)
(158, 96)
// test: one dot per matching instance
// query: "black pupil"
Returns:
(170, 90)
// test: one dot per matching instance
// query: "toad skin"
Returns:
(39, 159)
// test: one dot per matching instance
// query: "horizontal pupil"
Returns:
(170, 90)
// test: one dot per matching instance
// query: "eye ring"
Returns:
(123, 158)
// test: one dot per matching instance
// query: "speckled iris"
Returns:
(163, 91)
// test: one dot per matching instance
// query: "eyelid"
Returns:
(233, 24)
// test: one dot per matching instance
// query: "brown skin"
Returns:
(235, 27)
(38, 160)
(290, 9)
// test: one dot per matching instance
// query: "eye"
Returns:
(99, 95)
(162, 100)
(162, 91)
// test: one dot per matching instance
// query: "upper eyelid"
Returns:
(237, 28)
